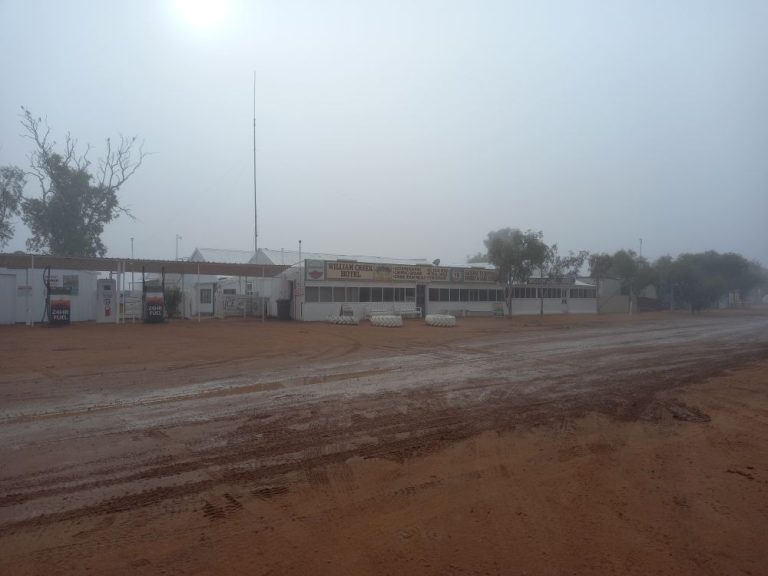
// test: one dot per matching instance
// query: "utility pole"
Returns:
(178, 237)
(300, 308)
(255, 209)
(131, 263)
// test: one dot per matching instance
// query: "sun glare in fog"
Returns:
(202, 15)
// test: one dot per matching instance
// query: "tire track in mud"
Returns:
(378, 428)
(232, 389)
(500, 386)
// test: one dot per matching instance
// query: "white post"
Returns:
(198, 292)
(120, 295)
(26, 293)
(117, 285)
(132, 267)
(264, 301)
(299, 300)
(32, 290)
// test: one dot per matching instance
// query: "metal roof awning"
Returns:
(18, 260)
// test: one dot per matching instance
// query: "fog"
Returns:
(409, 129)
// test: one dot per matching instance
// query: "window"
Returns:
(353, 294)
(389, 295)
(445, 295)
(71, 281)
(231, 291)
(583, 293)
(482, 295)
(365, 294)
(525, 292)
(550, 292)
(464, 294)
(311, 294)
(410, 294)
(375, 294)
(434, 295)
(206, 295)
(249, 287)
(326, 294)
(338, 294)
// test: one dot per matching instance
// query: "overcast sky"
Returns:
(410, 128)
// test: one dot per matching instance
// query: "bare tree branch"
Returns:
(77, 200)
(120, 163)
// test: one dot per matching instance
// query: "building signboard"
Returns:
(420, 273)
(479, 275)
(349, 271)
(317, 270)
(71, 281)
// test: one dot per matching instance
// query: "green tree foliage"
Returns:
(172, 299)
(700, 280)
(77, 198)
(516, 255)
(600, 265)
(556, 267)
(634, 271)
(12, 182)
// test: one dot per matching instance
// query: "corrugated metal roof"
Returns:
(290, 257)
(221, 255)
(481, 265)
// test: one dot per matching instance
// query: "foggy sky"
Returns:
(410, 129)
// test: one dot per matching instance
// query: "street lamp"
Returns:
(178, 237)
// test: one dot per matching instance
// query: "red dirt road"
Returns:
(554, 446)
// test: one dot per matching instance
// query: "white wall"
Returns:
(582, 306)
(30, 305)
(191, 299)
(7, 298)
(523, 306)
(461, 308)
(318, 311)
(273, 289)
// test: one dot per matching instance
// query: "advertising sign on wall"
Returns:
(477, 275)
(315, 270)
(350, 271)
(366, 272)
(71, 281)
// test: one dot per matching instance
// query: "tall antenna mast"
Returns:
(255, 209)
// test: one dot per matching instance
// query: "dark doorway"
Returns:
(421, 300)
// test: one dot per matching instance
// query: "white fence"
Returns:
(240, 305)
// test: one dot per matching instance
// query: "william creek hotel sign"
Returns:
(321, 270)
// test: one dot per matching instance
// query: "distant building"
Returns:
(554, 296)
(223, 256)
(284, 257)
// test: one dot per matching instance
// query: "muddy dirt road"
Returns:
(266, 448)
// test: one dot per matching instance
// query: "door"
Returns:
(421, 300)
(7, 298)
